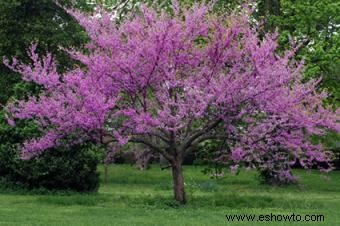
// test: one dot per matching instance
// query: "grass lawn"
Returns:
(132, 197)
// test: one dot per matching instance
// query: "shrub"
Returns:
(58, 169)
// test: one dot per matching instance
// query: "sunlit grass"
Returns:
(132, 197)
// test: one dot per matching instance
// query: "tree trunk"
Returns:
(178, 180)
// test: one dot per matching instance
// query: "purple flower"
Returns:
(237, 154)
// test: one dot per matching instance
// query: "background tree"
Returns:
(21, 23)
(25, 21)
(315, 25)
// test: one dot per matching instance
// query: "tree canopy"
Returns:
(179, 78)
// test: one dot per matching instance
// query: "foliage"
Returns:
(63, 168)
(315, 25)
(59, 169)
(21, 23)
(25, 21)
(177, 79)
(207, 155)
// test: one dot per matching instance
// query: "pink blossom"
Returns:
(237, 154)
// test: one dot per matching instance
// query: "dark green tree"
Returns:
(23, 22)
(315, 25)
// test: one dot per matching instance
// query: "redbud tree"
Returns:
(171, 81)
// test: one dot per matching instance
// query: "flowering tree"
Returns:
(172, 81)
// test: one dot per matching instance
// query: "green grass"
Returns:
(133, 197)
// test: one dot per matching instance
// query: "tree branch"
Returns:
(152, 146)
(186, 144)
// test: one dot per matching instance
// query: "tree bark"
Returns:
(178, 182)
